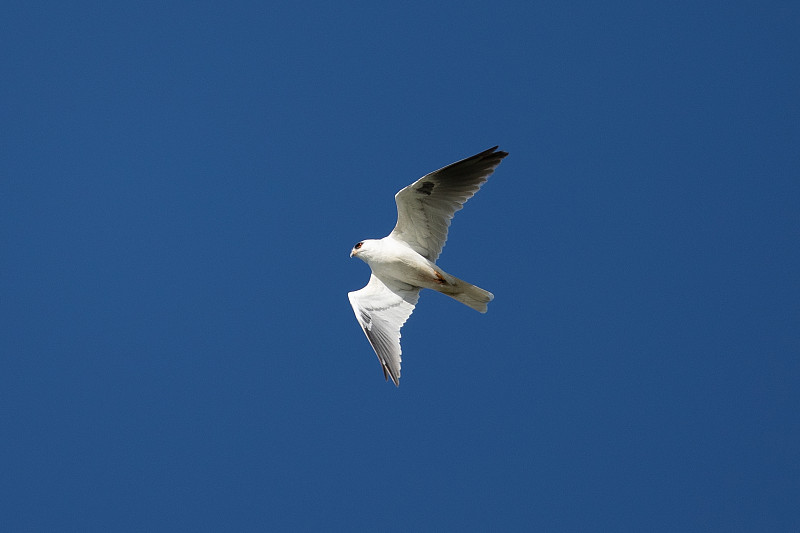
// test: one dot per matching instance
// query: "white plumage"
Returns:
(404, 262)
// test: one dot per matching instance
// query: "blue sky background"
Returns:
(180, 188)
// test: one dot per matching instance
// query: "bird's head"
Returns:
(362, 249)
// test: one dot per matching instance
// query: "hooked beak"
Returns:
(353, 252)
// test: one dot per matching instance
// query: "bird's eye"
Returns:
(359, 245)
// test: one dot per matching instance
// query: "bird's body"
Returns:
(395, 261)
(404, 262)
(392, 259)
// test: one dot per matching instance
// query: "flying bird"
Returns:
(404, 262)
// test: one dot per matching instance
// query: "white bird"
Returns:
(404, 262)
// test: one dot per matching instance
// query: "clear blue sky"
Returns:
(180, 187)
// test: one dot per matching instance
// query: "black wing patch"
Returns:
(426, 188)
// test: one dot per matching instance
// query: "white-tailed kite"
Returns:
(404, 262)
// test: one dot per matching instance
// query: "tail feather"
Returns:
(466, 293)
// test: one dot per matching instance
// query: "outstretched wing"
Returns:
(382, 309)
(425, 208)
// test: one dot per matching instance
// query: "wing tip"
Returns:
(500, 154)
(387, 373)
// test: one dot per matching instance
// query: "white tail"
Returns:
(466, 293)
